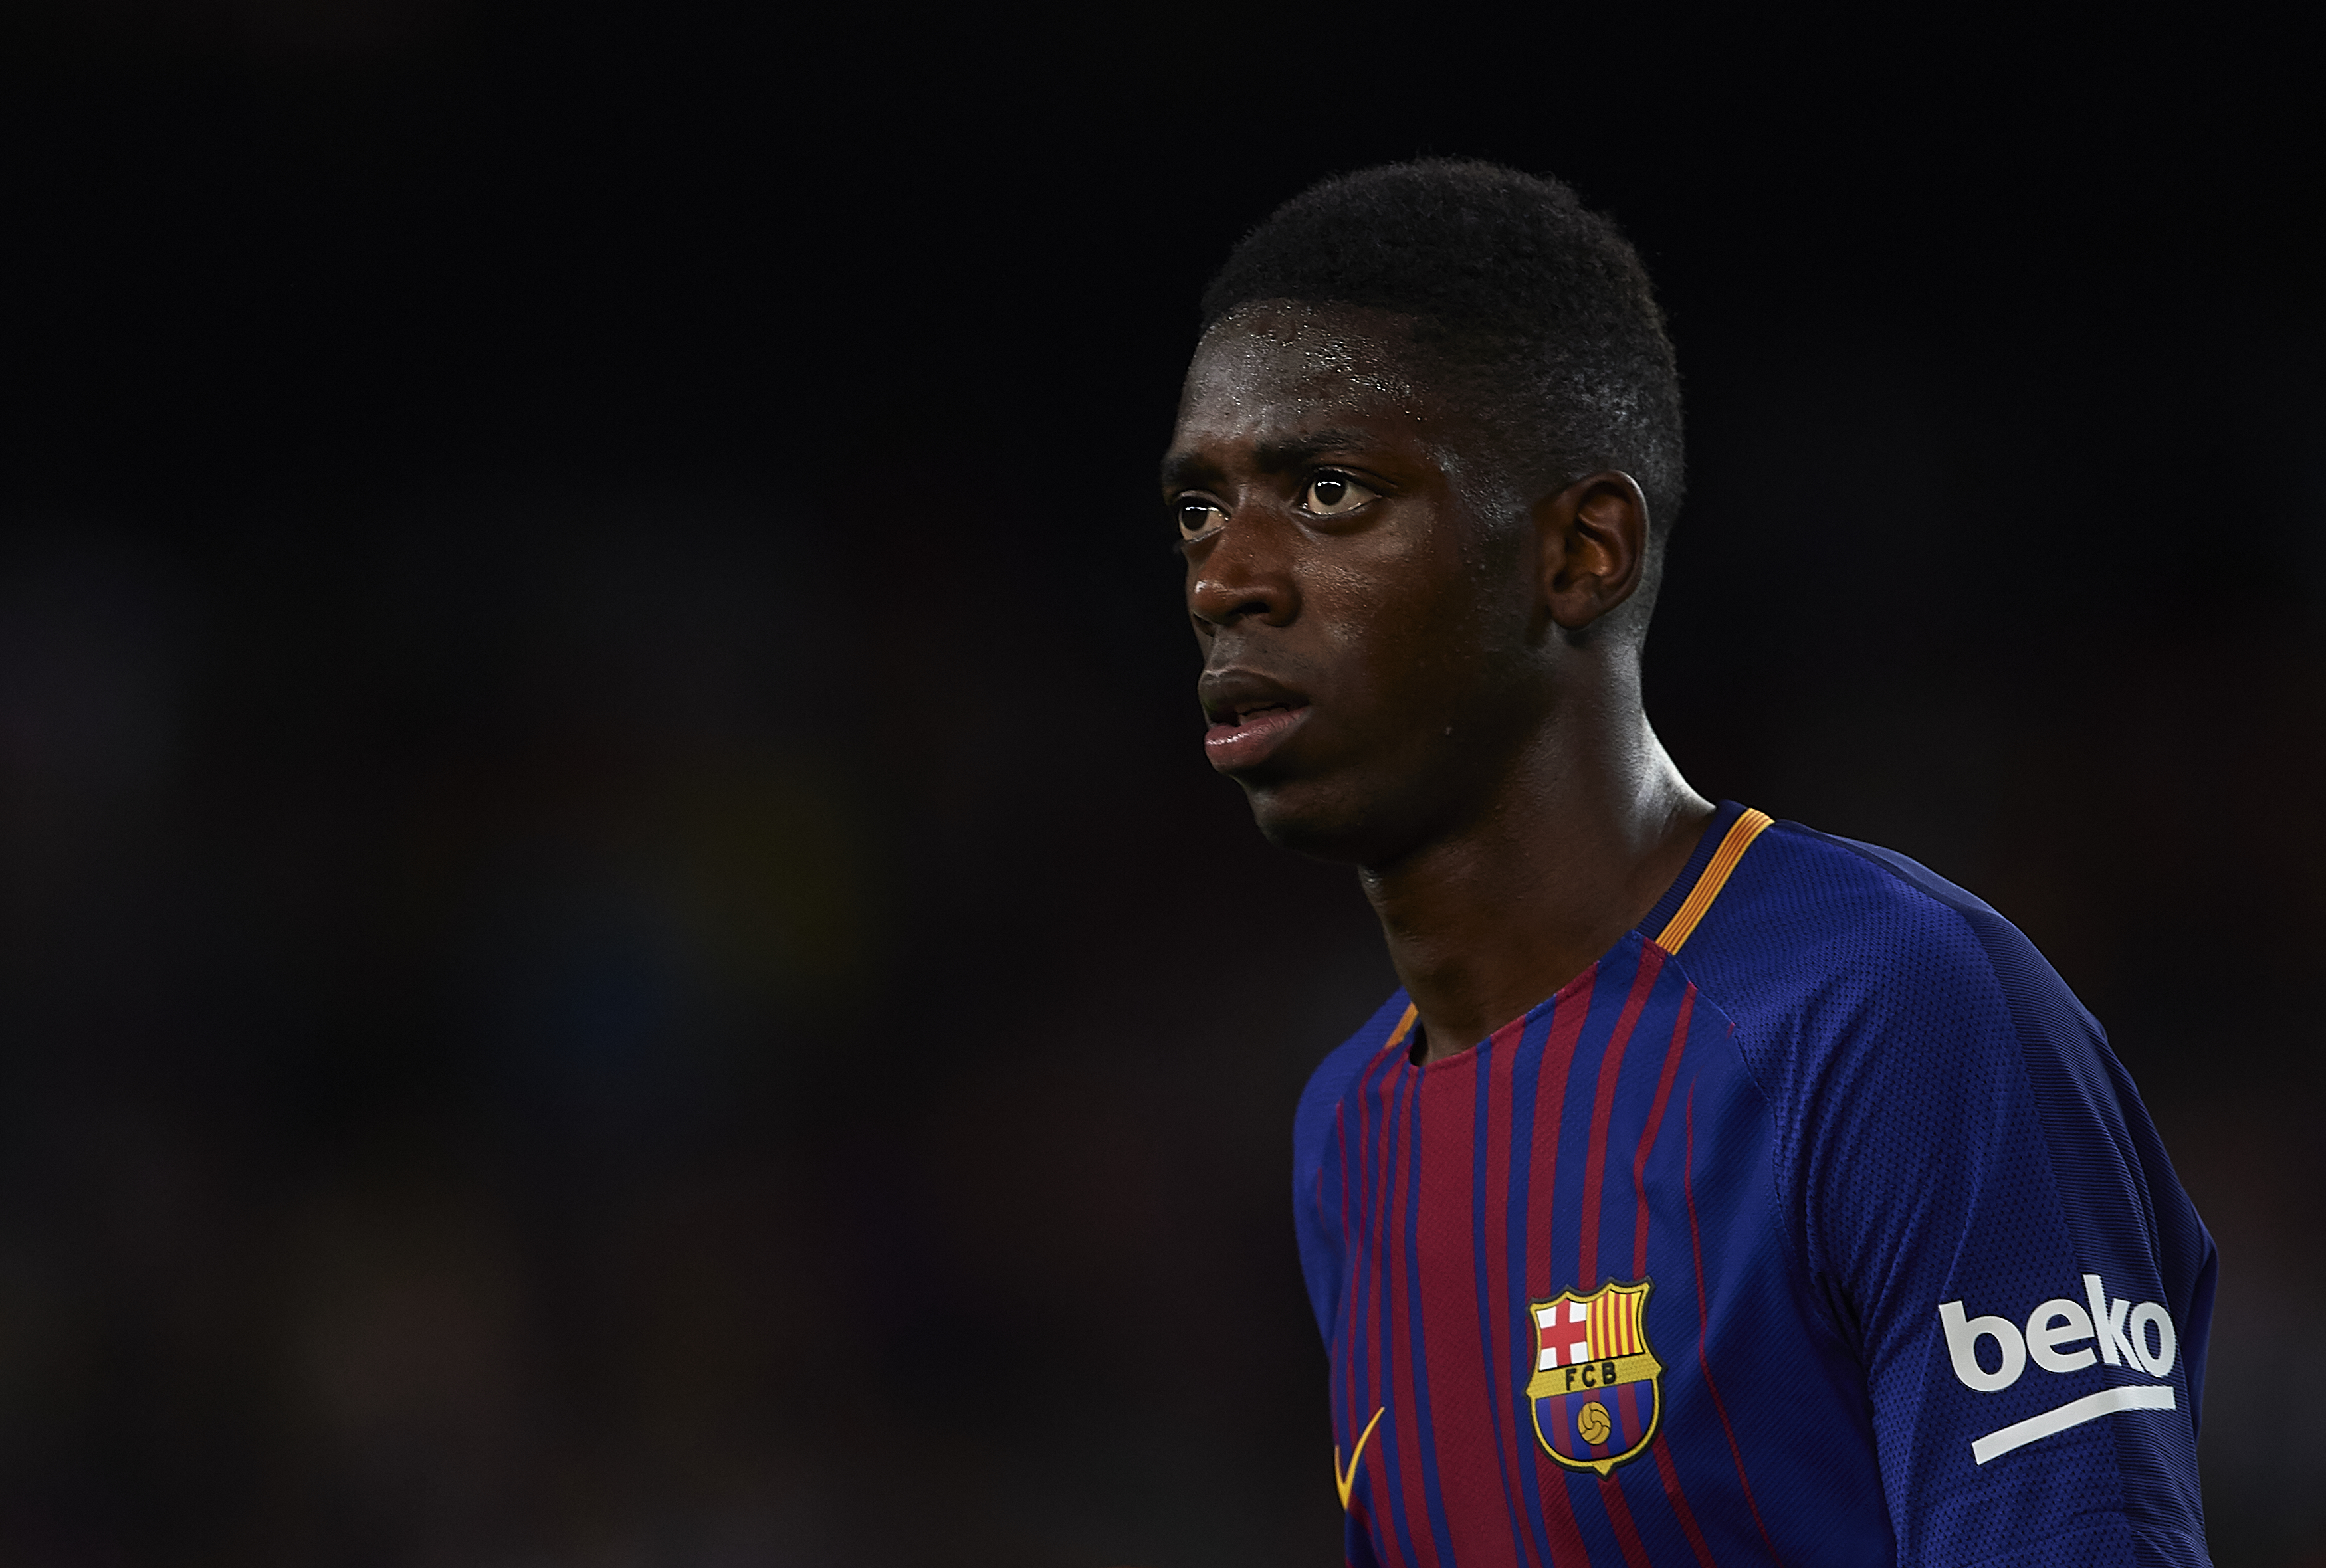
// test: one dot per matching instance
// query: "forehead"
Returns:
(1277, 369)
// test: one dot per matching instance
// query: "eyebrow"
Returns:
(1272, 456)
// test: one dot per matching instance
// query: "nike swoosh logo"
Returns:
(1347, 1478)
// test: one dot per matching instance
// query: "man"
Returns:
(1713, 1190)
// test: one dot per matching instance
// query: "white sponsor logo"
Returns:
(2063, 1336)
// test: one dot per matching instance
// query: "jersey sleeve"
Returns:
(1982, 1205)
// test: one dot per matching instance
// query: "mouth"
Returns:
(1250, 717)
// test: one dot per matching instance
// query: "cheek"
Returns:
(1405, 638)
(1404, 578)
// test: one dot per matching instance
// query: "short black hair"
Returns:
(1536, 304)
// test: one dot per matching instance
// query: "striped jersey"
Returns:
(1815, 1223)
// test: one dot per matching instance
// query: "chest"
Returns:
(1520, 1237)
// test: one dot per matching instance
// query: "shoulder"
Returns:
(1817, 941)
(1312, 1124)
(1886, 1014)
(1922, 1061)
(1314, 1206)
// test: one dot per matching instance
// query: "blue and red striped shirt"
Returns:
(1814, 1223)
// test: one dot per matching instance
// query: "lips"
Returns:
(1252, 717)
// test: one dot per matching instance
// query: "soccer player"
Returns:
(1713, 1190)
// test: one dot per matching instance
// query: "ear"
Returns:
(1591, 544)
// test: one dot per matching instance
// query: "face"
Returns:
(1372, 649)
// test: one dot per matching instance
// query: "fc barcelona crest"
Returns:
(1597, 1388)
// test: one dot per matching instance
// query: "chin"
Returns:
(1315, 822)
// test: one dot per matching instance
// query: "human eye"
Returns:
(1331, 494)
(1197, 515)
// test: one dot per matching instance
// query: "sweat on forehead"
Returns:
(1294, 379)
(1284, 350)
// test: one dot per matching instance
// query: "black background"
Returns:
(614, 946)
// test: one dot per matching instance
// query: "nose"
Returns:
(1242, 574)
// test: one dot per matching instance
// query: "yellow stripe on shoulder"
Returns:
(1738, 838)
(1404, 1024)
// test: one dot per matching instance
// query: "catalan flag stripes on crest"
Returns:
(1616, 1324)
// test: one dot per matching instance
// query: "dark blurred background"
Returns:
(614, 945)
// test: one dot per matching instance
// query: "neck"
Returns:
(1588, 829)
